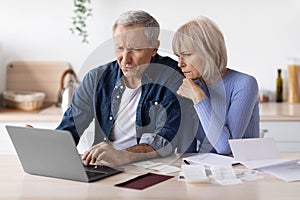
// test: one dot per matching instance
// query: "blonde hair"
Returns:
(204, 37)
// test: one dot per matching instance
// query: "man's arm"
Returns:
(142, 152)
(104, 154)
(80, 113)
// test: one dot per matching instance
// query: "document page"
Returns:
(210, 159)
(255, 153)
(288, 173)
(262, 154)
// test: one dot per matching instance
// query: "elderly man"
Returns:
(133, 99)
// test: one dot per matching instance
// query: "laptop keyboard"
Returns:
(98, 169)
(93, 174)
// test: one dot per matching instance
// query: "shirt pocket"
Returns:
(156, 115)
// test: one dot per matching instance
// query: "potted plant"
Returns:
(82, 11)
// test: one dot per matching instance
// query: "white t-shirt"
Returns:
(124, 129)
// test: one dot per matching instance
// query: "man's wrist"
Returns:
(140, 148)
(141, 152)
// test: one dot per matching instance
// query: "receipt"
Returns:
(146, 164)
(194, 173)
(224, 175)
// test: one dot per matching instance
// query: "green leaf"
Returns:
(82, 12)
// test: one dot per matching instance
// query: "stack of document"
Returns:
(262, 154)
(208, 167)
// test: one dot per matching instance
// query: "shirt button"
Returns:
(121, 86)
(155, 103)
(116, 87)
(118, 97)
(110, 118)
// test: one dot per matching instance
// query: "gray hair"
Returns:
(203, 36)
(140, 17)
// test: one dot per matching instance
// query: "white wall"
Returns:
(260, 34)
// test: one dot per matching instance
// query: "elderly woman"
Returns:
(224, 99)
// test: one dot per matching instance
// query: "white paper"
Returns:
(254, 149)
(223, 172)
(157, 166)
(265, 157)
(165, 169)
(256, 153)
(224, 175)
(229, 181)
(146, 164)
(288, 173)
(257, 164)
(194, 173)
(210, 159)
(181, 176)
(247, 175)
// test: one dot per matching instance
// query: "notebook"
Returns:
(53, 153)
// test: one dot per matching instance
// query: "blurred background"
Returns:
(261, 36)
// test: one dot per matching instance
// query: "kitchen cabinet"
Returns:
(282, 121)
(46, 118)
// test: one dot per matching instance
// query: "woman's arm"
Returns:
(223, 120)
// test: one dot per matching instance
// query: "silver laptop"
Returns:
(53, 153)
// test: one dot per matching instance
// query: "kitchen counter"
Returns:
(273, 111)
(48, 114)
(281, 120)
